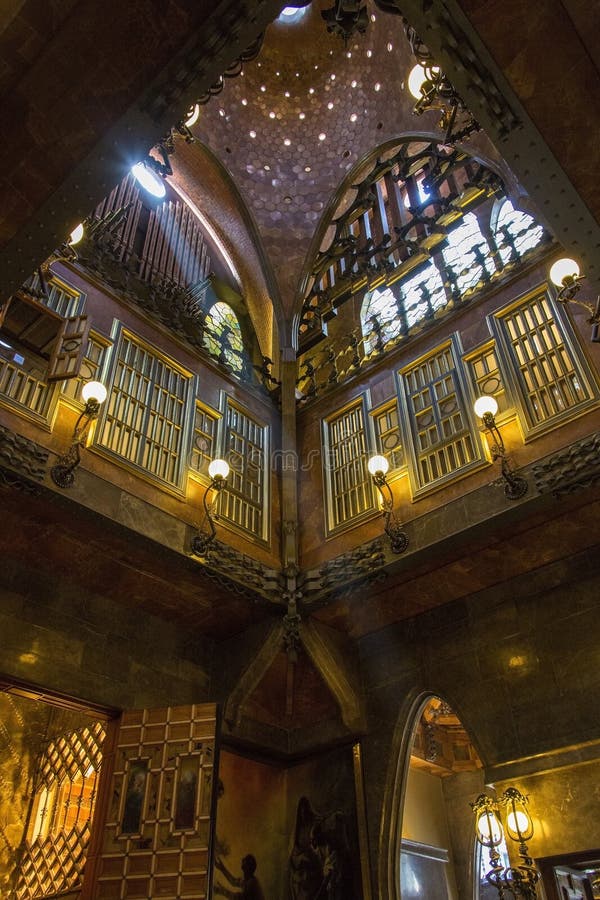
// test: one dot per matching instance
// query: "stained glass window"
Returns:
(223, 336)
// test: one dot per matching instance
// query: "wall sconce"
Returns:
(432, 90)
(521, 880)
(515, 486)
(218, 471)
(93, 394)
(565, 275)
(378, 467)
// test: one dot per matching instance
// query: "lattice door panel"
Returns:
(158, 828)
(58, 835)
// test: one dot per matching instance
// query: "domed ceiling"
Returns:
(300, 117)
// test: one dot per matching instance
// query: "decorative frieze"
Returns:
(22, 462)
(570, 470)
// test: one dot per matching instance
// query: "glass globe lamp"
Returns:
(93, 392)
(485, 405)
(378, 465)
(564, 272)
(218, 470)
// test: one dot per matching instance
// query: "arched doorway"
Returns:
(436, 846)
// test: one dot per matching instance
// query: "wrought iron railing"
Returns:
(344, 355)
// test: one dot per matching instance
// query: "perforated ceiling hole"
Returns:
(346, 154)
(380, 125)
(227, 149)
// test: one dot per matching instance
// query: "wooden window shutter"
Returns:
(69, 349)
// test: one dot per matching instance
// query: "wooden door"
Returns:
(154, 819)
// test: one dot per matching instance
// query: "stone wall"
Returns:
(89, 647)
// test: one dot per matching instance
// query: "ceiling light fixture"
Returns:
(515, 486)
(218, 471)
(564, 273)
(289, 15)
(148, 179)
(76, 234)
(345, 18)
(63, 473)
(378, 467)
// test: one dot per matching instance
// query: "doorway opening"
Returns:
(444, 771)
(50, 762)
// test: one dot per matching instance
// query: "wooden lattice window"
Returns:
(244, 500)
(388, 438)
(56, 843)
(42, 341)
(551, 379)
(204, 440)
(349, 485)
(442, 441)
(90, 369)
(145, 415)
(23, 380)
(63, 299)
(486, 376)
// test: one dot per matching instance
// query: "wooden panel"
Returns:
(158, 826)
(69, 348)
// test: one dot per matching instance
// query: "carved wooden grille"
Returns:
(243, 501)
(146, 411)
(90, 370)
(59, 830)
(550, 382)
(387, 435)
(167, 857)
(350, 492)
(63, 299)
(442, 440)
(203, 444)
(23, 381)
(486, 376)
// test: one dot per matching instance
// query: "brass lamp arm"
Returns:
(202, 540)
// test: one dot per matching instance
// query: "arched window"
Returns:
(223, 336)
(460, 253)
(422, 294)
(514, 227)
(379, 319)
